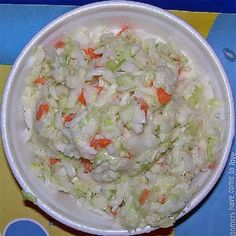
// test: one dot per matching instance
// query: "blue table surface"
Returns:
(224, 6)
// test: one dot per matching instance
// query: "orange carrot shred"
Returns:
(144, 196)
(91, 54)
(87, 165)
(212, 165)
(99, 89)
(42, 110)
(143, 104)
(53, 161)
(163, 96)
(69, 117)
(163, 199)
(123, 29)
(82, 99)
(114, 213)
(59, 44)
(99, 143)
(40, 80)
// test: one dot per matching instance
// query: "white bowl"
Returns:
(149, 19)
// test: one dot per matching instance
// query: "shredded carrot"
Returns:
(40, 80)
(163, 96)
(99, 143)
(82, 99)
(91, 54)
(69, 117)
(212, 165)
(123, 29)
(99, 89)
(53, 161)
(87, 165)
(163, 199)
(114, 213)
(143, 104)
(42, 110)
(59, 44)
(144, 196)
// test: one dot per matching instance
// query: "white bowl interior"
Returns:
(141, 17)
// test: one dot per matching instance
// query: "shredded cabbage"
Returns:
(122, 122)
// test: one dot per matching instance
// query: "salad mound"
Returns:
(121, 121)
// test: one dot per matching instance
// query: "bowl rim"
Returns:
(104, 5)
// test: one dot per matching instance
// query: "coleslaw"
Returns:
(122, 122)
